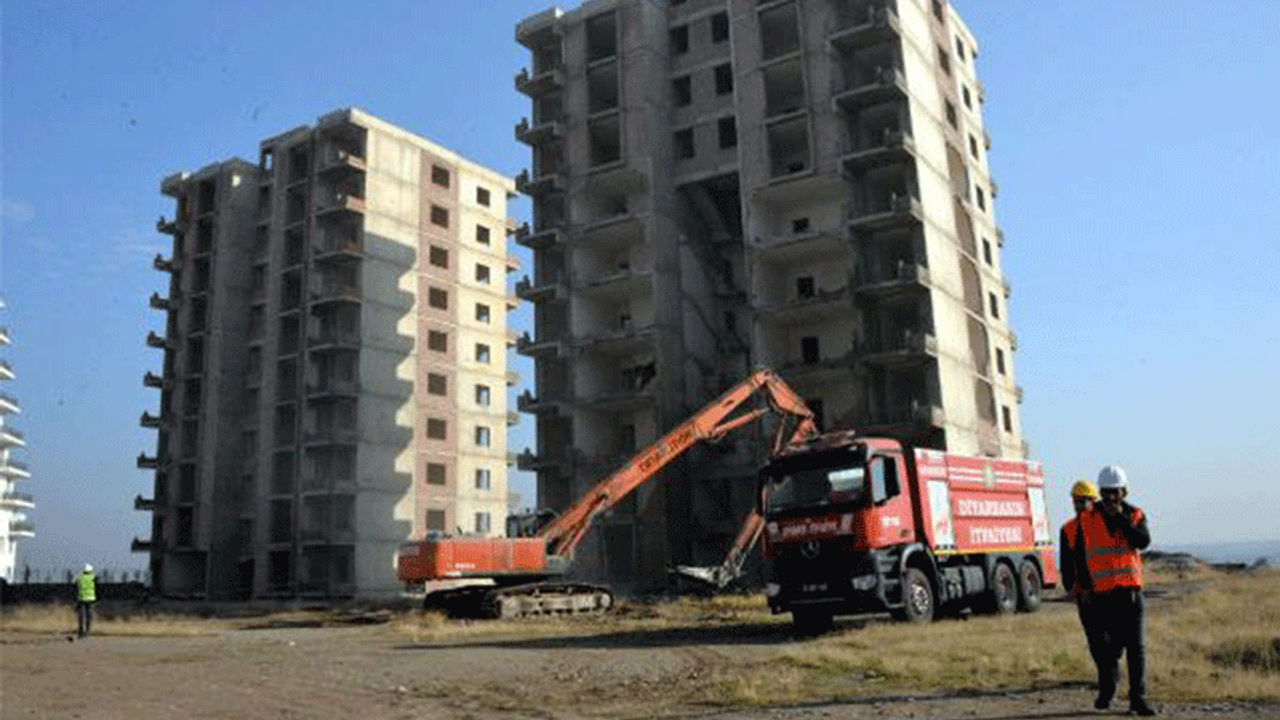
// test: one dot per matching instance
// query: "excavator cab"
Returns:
(528, 524)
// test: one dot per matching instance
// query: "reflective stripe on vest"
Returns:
(86, 588)
(1112, 562)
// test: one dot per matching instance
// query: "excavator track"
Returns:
(519, 601)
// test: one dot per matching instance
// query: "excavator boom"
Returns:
(514, 562)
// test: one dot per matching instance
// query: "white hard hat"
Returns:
(88, 567)
(1112, 477)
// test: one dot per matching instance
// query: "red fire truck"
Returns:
(860, 524)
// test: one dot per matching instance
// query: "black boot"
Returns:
(1139, 707)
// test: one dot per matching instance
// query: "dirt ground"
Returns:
(381, 672)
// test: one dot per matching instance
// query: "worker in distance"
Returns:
(1101, 550)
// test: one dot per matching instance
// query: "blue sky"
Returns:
(1136, 151)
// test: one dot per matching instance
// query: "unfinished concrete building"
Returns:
(334, 375)
(14, 523)
(723, 184)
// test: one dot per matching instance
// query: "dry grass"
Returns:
(60, 619)
(1218, 639)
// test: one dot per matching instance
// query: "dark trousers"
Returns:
(84, 617)
(1117, 619)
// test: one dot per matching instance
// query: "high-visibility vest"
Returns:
(1112, 562)
(86, 588)
(1071, 530)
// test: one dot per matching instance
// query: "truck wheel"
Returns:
(917, 597)
(1002, 596)
(1004, 590)
(1029, 586)
(811, 622)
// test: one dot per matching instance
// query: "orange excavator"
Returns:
(526, 575)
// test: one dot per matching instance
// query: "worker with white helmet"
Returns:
(1103, 546)
(86, 596)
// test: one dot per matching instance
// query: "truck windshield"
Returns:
(813, 487)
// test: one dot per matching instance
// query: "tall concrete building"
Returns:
(335, 363)
(723, 184)
(14, 524)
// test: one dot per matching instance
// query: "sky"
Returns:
(1137, 152)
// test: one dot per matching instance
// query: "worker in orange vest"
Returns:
(1105, 546)
(1072, 568)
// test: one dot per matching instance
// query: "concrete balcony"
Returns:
(619, 284)
(540, 29)
(513, 377)
(1019, 394)
(161, 303)
(328, 204)
(619, 230)
(21, 528)
(333, 388)
(897, 211)
(334, 292)
(800, 371)
(9, 405)
(513, 418)
(331, 436)
(530, 462)
(908, 348)
(541, 132)
(546, 183)
(164, 265)
(333, 341)
(1013, 340)
(170, 227)
(527, 402)
(142, 504)
(627, 340)
(905, 278)
(336, 161)
(155, 381)
(148, 463)
(142, 546)
(540, 240)
(17, 501)
(6, 371)
(338, 249)
(886, 84)
(526, 345)
(813, 244)
(14, 470)
(10, 438)
(533, 85)
(149, 421)
(4, 336)
(156, 341)
(549, 288)
(801, 309)
(879, 25)
(617, 399)
(891, 148)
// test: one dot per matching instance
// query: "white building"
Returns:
(14, 524)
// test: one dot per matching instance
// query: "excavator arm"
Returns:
(712, 422)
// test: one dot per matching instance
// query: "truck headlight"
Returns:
(862, 583)
(772, 589)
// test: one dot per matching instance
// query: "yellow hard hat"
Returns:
(1084, 489)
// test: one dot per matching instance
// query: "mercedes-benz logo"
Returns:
(810, 549)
